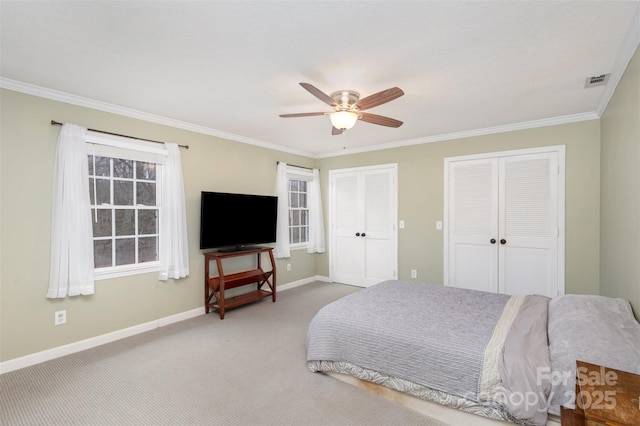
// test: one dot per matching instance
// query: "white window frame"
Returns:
(298, 173)
(99, 144)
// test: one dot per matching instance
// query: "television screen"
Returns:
(236, 221)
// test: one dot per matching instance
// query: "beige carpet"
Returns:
(248, 369)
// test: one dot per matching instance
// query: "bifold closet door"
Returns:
(503, 224)
(528, 234)
(363, 210)
(347, 259)
(473, 224)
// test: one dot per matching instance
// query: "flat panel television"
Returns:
(236, 221)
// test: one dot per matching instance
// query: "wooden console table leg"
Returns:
(206, 285)
(221, 299)
(273, 276)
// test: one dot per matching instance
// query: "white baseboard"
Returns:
(92, 342)
(49, 354)
(302, 282)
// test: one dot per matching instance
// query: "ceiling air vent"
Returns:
(594, 81)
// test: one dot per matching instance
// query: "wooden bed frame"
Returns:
(437, 411)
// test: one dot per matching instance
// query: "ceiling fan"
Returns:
(348, 107)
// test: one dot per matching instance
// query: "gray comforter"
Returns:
(481, 347)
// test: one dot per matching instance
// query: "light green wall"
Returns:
(421, 196)
(620, 181)
(27, 147)
(28, 143)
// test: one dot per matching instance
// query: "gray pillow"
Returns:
(596, 329)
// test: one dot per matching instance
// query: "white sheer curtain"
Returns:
(174, 250)
(282, 225)
(316, 223)
(71, 268)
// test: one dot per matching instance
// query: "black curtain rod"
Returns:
(300, 167)
(55, 123)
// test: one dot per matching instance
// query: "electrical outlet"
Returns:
(60, 317)
(288, 267)
(414, 273)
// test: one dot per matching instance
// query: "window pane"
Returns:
(304, 217)
(293, 200)
(103, 165)
(122, 193)
(295, 235)
(303, 200)
(147, 222)
(146, 171)
(146, 194)
(303, 186)
(91, 191)
(90, 160)
(147, 251)
(125, 251)
(125, 222)
(103, 192)
(102, 253)
(295, 218)
(304, 234)
(293, 185)
(122, 168)
(101, 228)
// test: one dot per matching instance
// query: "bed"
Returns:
(509, 358)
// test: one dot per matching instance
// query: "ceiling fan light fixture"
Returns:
(343, 120)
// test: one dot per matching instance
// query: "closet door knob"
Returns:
(364, 235)
(357, 234)
(492, 241)
(503, 241)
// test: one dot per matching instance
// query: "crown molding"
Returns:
(553, 121)
(153, 118)
(56, 95)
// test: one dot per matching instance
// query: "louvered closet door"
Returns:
(503, 225)
(528, 259)
(473, 222)
(378, 225)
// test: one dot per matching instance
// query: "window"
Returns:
(298, 212)
(125, 207)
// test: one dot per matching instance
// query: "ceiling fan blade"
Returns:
(336, 131)
(302, 114)
(319, 94)
(379, 98)
(381, 120)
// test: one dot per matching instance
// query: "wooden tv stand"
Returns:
(214, 287)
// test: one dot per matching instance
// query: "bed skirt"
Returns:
(414, 389)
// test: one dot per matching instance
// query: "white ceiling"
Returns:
(229, 68)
